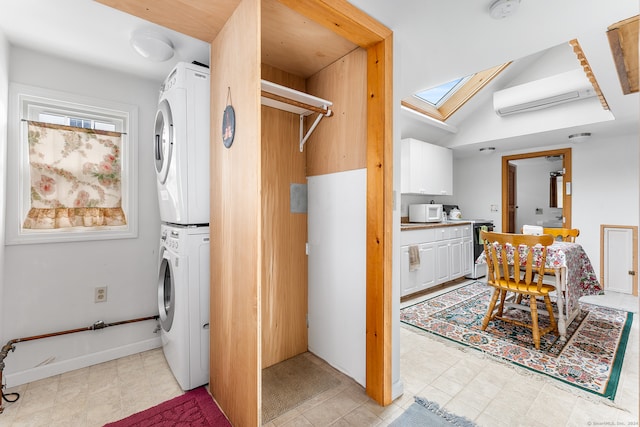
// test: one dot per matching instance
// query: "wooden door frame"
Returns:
(566, 164)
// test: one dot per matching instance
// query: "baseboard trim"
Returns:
(40, 372)
(397, 389)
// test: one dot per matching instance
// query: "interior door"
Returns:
(619, 258)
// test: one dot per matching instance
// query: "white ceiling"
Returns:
(90, 32)
(435, 41)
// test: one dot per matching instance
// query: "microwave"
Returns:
(425, 213)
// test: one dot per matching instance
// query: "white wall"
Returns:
(605, 187)
(4, 99)
(337, 222)
(50, 287)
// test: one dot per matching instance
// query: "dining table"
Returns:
(574, 277)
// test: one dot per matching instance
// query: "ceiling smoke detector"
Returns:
(500, 9)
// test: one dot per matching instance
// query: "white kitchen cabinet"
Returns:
(422, 277)
(442, 262)
(456, 258)
(425, 168)
(445, 254)
(467, 256)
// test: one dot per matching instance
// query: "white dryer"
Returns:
(181, 145)
(183, 302)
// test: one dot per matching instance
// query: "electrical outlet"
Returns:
(100, 294)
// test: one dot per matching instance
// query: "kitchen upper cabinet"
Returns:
(426, 168)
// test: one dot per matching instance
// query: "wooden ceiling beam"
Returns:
(577, 49)
(623, 41)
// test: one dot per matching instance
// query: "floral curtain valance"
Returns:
(75, 177)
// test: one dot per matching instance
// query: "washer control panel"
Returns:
(170, 239)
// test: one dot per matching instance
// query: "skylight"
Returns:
(439, 94)
(442, 101)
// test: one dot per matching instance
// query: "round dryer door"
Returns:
(166, 292)
(164, 138)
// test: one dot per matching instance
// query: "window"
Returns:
(72, 159)
(442, 101)
(439, 94)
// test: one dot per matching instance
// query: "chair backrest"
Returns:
(565, 234)
(504, 266)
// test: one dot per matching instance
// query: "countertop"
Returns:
(405, 226)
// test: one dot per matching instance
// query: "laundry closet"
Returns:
(261, 289)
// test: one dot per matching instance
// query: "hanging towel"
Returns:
(414, 257)
(482, 228)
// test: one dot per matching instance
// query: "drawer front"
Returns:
(413, 237)
(443, 233)
(463, 231)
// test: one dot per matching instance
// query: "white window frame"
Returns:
(21, 97)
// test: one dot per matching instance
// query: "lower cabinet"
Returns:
(442, 264)
(445, 254)
(467, 255)
(455, 258)
(423, 276)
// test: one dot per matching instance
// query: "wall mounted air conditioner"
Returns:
(543, 93)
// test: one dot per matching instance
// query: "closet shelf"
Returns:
(293, 101)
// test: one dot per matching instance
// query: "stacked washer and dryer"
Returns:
(181, 150)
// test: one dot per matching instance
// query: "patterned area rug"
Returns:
(590, 359)
(195, 408)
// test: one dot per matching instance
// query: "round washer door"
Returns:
(164, 138)
(166, 292)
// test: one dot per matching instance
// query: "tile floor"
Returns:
(463, 382)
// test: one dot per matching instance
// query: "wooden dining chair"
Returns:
(500, 265)
(565, 234)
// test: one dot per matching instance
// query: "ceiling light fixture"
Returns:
(500, 9)
(152, 45)
(487, 150)
(579, 137)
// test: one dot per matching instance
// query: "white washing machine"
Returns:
(183, 302)
(181, 146)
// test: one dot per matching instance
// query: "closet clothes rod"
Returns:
(294, 101)
(326, 111)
